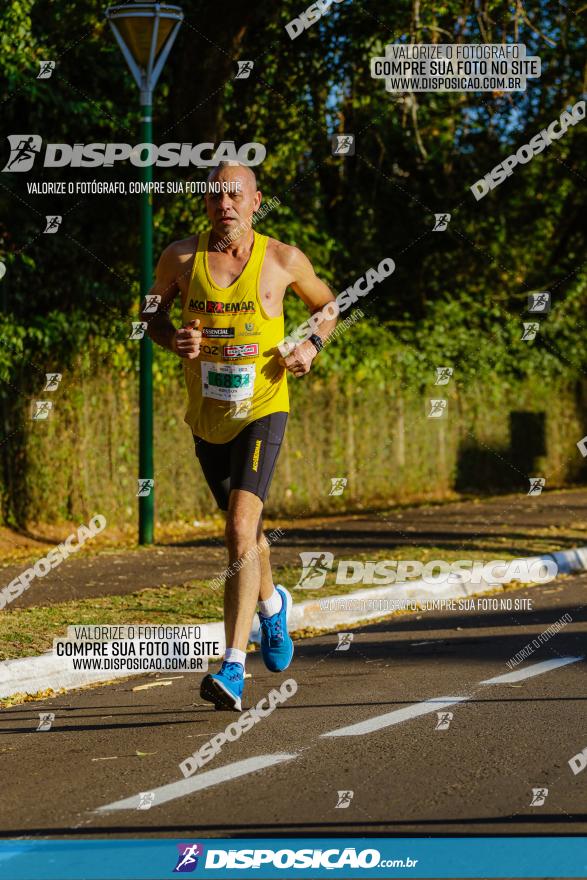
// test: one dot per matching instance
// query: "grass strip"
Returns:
(26, 632)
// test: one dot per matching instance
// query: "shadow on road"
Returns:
(302, 829)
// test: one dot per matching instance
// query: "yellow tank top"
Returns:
(237, 378)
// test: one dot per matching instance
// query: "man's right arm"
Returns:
(184, 342)
(159, 325)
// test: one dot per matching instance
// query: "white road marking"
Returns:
(209, 778)
(439, 703)
(200, 781)
(397, 716)
(530, 671)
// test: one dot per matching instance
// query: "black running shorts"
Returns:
(246, 462)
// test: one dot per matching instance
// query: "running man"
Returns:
(232, 282)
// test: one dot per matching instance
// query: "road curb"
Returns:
(30, 675)
(570, 561)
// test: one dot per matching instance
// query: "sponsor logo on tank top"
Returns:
(250, 330)
(241, 351)
(244, 307)
(231, 352)
(218, 332)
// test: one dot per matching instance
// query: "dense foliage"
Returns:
(456, 298)
(456, 295)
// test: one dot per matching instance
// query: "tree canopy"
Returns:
(458, 295)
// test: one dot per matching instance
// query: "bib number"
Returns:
(228, 382)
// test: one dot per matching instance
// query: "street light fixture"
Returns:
(145, 33)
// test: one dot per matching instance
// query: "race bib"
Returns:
(228, 381)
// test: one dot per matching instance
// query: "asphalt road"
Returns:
(283, 776)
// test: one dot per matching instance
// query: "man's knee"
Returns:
(240, 532)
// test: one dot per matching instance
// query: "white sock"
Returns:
(269, 607)
(233, 655)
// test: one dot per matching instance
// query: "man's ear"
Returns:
(258, 199)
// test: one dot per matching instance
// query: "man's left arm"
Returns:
(315, 294)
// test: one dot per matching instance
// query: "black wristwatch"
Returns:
(316, 342)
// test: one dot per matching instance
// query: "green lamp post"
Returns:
(145, 33)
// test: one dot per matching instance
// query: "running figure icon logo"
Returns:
(438, 408)
(344, 641)
(315, 567)
(146, 800)
(443, 375)
(539, 302)
(152, 302)
(343, 145)
(338, 485)
(138, 329)
(145, 487)
(344, 799)
(244, 69)
(531, 328)
(52, 381)
(41, 409)
(46, 68)
(187, 861)
(444, 719)
(441, 222)
(537, 484)
(46, 719)
(539, 795)
(23, 151)
(53, 222)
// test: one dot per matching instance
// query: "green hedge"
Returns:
(82, 460)
(361, 414)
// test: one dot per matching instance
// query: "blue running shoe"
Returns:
(276, 645)
(224, 688)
